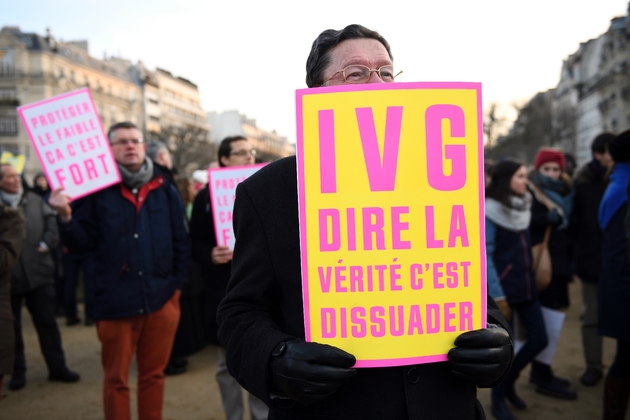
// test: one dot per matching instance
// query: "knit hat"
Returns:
(546, 155)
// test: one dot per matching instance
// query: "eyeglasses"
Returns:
(125, 142)
(357, 73)
(244, 152)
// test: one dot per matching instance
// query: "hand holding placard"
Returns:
(482, 356)
(61, 203)
(309, 372)
(221, 255)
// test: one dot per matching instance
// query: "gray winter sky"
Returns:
(250, 55)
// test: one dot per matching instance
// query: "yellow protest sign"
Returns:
(17, 161)
(390, 184)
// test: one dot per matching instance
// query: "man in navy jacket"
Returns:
(137, 233)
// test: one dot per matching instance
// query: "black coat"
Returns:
(263, 307)
(558, 242)
(627, 224)
(215, 277)
(585, 233)
(614, 282)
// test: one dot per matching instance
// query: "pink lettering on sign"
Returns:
(398, 226)
(456, 153)
(227, 235)
(357, 317)
(396, 320)
(327, 162)
(430, 223)
(329, 324)
(332, 243)
(373, 223)
(457, 228)
(381, 171)
(372, 226)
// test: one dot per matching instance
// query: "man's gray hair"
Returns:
(154, 147)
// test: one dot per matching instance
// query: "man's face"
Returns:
(241, 154)
(604, 159)
(365, 51)
(128, 148)
(10, 181)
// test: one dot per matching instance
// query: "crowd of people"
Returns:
(544, 228)
(157, 285)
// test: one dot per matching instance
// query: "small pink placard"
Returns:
(70, 142)
(222, 183)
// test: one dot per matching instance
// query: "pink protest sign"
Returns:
(70, 142)
(223, 183)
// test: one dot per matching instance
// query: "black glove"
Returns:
(482, 356)
(309, 372)
(553, 217)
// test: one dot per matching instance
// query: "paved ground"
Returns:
(194, 395)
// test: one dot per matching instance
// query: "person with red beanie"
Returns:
(551, 209)
(547, 155)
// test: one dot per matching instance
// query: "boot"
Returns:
(616, 393)
(591, 376)
(18, 380)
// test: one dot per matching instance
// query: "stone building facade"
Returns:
(592, 96)
(35, 67)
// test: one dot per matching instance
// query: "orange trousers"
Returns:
(151, 338)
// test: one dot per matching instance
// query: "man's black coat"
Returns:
(263, 307)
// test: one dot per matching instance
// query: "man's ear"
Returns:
(224, 161)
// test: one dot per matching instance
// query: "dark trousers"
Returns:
(58, 278)
(556, 295)
(72, 265)
(41, 305)
(530, 316)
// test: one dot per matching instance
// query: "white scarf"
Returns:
(514, 218)
(11, 199)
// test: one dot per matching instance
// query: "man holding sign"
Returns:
(137, 233)
(214, 256)
(262, 318)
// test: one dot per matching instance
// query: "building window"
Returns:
(8, 126)
(10, 147)
(7, 94)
